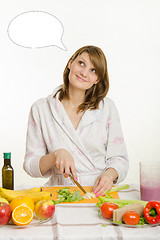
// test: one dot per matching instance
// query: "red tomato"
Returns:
(107, 209)
(131, 218)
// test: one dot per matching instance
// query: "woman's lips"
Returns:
(81, 79)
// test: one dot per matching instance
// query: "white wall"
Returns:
(128, 33)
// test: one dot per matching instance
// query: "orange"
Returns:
(22, 200)
(22, 215)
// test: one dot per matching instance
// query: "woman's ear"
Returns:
(97, 81)
(69, 64)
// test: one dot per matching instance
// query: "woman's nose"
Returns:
(84, 72)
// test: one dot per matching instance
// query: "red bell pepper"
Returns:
(151, 212)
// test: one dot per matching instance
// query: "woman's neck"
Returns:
(76, 97)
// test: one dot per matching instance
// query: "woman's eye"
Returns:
(93, 70)
(81, 63)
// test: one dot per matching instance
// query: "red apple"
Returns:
(44, 209)
(5, 213)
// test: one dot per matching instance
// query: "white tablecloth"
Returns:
(80, 222)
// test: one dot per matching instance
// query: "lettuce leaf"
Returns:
(64, 195)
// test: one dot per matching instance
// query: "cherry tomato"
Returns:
(131, 218)
(107, 209)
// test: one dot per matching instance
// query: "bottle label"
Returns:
(7, 180)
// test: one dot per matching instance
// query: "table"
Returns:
(81, 222)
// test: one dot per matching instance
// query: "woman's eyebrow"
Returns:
(82, 59)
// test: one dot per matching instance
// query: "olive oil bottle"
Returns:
(7, 172)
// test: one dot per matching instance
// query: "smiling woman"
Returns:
(82, 69)
(74, 129)
(91, 66)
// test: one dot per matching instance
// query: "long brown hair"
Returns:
(98, 91)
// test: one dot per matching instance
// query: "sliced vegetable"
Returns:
(131, 218)
(89, 195)
(119, 202)
(152, 212)
(122, 187)
(107, 209)
(107, 195)
(64, 195)
(115, 189)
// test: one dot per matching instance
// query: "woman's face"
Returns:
(82, 73)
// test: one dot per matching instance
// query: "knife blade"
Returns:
(77, 183)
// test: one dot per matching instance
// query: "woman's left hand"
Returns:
(104, 182)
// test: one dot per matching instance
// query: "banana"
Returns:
(31, 190)
(11, 194)
(21, 190)
(38, 196)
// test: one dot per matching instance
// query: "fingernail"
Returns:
(97, 195)
(76, 178)
(95, 192)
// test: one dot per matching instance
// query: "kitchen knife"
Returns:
(78, 185)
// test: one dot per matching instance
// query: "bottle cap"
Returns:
(7, 155)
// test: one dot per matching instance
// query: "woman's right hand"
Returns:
(64, 162)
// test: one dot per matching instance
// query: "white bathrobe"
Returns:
(96, 144)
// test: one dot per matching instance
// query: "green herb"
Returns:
(64, 195)
(119, 222)
(104, 225)
(142, 221)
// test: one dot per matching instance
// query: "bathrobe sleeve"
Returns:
(35, 144)
(116, 156)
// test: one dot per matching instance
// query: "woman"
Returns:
(77, 129)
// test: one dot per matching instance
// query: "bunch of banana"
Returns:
(35, 194)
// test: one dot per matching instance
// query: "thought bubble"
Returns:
(36, 29)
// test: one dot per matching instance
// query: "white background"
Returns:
(128, 33)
